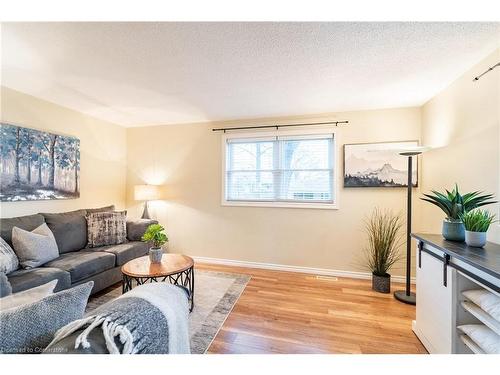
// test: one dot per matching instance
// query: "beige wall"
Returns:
(463, 122)
(102, 152)
(187, 159)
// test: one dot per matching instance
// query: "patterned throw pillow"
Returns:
(8, 258)
(106, 228)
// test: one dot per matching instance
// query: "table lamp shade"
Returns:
(146, 192)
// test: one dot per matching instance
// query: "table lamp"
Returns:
(146, 193)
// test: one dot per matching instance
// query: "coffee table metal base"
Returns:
(183, 278)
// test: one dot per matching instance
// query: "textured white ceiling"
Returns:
(137, 74)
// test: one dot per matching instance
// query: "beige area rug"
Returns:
(215, 295)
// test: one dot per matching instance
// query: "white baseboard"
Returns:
(283, 267)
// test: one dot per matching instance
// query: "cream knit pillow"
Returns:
(27, 296)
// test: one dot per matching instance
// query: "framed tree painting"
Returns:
(378, 165)
(36, 165)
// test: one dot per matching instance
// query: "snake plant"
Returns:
(456, 205)
(477, 220)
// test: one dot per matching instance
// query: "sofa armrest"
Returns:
(136, 228)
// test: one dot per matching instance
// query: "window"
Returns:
(288, 169)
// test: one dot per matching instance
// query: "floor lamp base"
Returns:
(401, 295)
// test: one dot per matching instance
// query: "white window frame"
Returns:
(283, 132)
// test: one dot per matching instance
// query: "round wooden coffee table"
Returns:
(175, 268)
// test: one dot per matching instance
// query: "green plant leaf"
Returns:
(154, 235)
(477, 220)
(454, 205)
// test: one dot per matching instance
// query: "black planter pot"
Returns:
(381, 284)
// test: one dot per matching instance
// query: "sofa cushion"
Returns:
(69, 228)
(136, 228)
(127, 251)
(25, 279)
(29, 222)
(83, 264)
(104, 279)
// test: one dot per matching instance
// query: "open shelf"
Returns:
(483, 316)
(471, 345)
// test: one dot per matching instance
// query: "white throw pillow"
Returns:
(36, 247)
(485, 300)
(8, 258)
(484, 337)
(27, 296)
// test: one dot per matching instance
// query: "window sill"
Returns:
(323, 206)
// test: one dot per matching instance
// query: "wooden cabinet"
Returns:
(445, 270)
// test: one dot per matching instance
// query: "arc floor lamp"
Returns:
(407, 296)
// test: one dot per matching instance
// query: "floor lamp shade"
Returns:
(146, 193)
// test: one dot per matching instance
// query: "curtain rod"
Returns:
(486, 71)
(280, 126)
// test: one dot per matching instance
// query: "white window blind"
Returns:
(280, 169)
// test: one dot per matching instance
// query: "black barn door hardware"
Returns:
(420, 247)
(446, 263)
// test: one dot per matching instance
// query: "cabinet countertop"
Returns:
(486, 259)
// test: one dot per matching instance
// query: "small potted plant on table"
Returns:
(454, 205)
(476, 224)
(155, 236)
(382, 252)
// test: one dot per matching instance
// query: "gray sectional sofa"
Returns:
(76, 263)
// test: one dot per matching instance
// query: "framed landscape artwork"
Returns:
(36, 165)
(378, 165)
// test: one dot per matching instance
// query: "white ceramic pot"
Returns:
(475, 239)
(155, 254)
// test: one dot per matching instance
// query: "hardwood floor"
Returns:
(286, 312)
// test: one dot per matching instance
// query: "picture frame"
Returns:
(38, 165)
(378, 164)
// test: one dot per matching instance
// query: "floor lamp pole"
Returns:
(406, 295)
